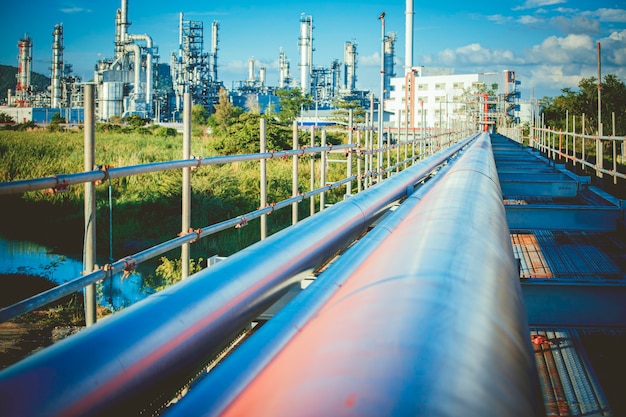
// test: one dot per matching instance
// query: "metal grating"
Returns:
(575, 255)
(531, 260)
(569, 385)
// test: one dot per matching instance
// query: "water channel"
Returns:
(23, 257)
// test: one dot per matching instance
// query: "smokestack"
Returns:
(408, 53)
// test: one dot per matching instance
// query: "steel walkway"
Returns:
(569, 239)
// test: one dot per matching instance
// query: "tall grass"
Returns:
(146, 209)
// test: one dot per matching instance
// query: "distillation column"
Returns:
(57, 66)
(25, 46)
(306, 52)
(214, 47)
(349, 58)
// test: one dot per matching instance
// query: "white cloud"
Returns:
(369, 60)
(528, 20)
(546, 77)
(608, 15)
(534, 4)
(577, 24)
(554, 50)
(613, 49)
(70, 10)
(472, 54)
(499, 19)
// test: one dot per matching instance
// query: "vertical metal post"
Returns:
(349, 157)
(186, 192)
(381, 103)
(398, 151)
(614, 149)
(574, 141)
(599, 156)
(323, 171)
(359, 186)
(89, 251)
(312, 173)
(366, 159)
(583, 139)
(294, 174)
(388, 152)
(263, 177)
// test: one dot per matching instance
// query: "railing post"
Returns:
(614, 149)
(349, 157)
(599, 156)
(312, 173)
(263, 177)
(388, 151)
(185, 249)
(294, 174)
(359, 185)
(574, 142)
(323, 171)
(89, 254)
(583, 139)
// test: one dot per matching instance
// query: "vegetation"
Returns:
(8, 81)
(585, 101)
(5, 118)
(146, 209)
(292, 101)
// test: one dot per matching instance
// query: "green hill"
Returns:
(8, 80)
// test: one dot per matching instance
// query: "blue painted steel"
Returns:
(121, 363)
(424, 316)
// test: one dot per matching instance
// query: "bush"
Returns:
(5, 118)
(162, 131)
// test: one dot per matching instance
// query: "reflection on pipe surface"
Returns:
(120, 364)
(424, 316)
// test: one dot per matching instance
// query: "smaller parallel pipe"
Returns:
(129, 263)
(169, 335)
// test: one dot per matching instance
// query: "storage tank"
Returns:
(111, 101)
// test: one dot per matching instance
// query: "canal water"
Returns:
(22, 257)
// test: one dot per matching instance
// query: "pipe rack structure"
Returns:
(171, 335)
(423, 316)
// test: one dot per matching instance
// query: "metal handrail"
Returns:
(551, 141)
(169, 335)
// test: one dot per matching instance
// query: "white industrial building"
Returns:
(438, 98)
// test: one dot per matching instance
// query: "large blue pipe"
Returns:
(423, 316)
(120, 364)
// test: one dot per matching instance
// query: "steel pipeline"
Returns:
(423, 316)
(155, 345)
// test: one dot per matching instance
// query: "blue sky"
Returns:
(551, 44)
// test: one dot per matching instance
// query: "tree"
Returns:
(585, 101)
(225, 114)
(291, 102)
(135, 121)
(344, 105)
(199, 115)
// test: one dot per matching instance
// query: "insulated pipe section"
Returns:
(429, 322)
(148, 40)
(121, 364)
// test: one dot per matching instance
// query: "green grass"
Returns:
(146, 209)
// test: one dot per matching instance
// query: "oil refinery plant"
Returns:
(133, 82)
